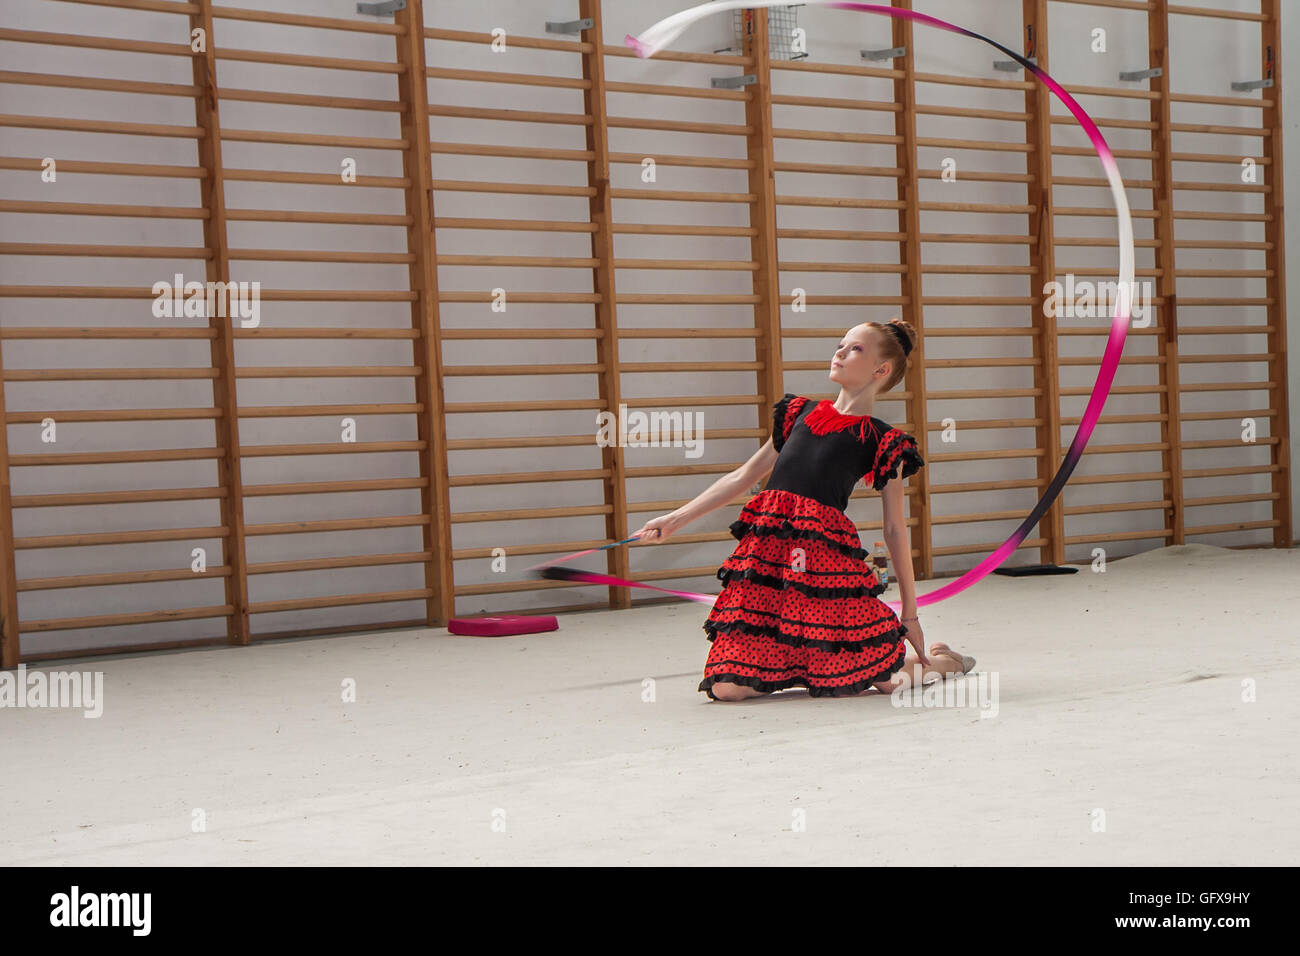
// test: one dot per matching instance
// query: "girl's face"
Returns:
(854, 360)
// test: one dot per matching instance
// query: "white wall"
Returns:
(1208, 54)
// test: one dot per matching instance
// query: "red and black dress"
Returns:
(800, 606)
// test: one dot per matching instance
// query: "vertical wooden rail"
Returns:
(9, 642)
(762, 217)
(206, 109)
(909, 257)
(1042, 264)
(435, 499)
(1275, 257)
(1162, 199)
(602, 279)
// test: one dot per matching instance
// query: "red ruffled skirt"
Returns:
(799, 606)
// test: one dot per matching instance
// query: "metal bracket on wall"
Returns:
(1010, 66)
(1133, 75)
(384, 8)
(569, 26)
(1247, 85)
(890, 54)
(733, 82)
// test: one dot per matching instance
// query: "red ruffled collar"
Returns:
(826, 418)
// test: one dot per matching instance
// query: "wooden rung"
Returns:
(984, 145)
(978, 177)
(1100, 212)
(1231, 472)
(1231, 526)
(983, 547)
(108, 169)
(1089, 151)
(310, 139)
(837, 234)
(1217, 158)
(1220, 130)
(312, 179)
(102, 209)
(946, 238)
(1218, 303)
(521, 262)
(298, 59)
(514, 189)
(523, 370)
(1228, 387)
(1230, 499)
(312, 411)
(1116, 507)
(118, 44)
(1236, 101)
(117, 620)
(645, 124)
(329, 448)
(1104, 122)
(681, 195)
(338, 600)
(660, 89)
(329, 371)
(833, 169)
(572, 298)
(67, 500)
(336, 524)
(857, 268)
(1260, 442)
(488, 334)
(118, 537)
(295, 215)
(832, 136)
(1117, 536)
(272, 332)
(516, 79)
(102, 84)
(333, 487)
(943, 79)
(1208, 215)
(521, 152)
(115, 457)
(1227, 414)
(120, 577)
(293, 255)
(510, 116)
(1225, 273)
(310, 100)
(114, 415)
(103, 251)
(838, 203)
(302, 20)
(1186, 11)
(17, 121)
(516, 478)
(523, 42)
(109, 374)
(523, 225)
(1114, 92)
(105, 332)
(1008, 209)
(324, 564)
(813, 66)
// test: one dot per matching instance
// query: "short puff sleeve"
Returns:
(784, 414)
(897, 449)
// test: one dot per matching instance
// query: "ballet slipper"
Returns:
(964, 660)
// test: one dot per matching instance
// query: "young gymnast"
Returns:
(799, 606)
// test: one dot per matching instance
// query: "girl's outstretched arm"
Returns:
(899, 543)
(724, 490)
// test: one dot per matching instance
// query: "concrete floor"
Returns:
(1119, 694)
